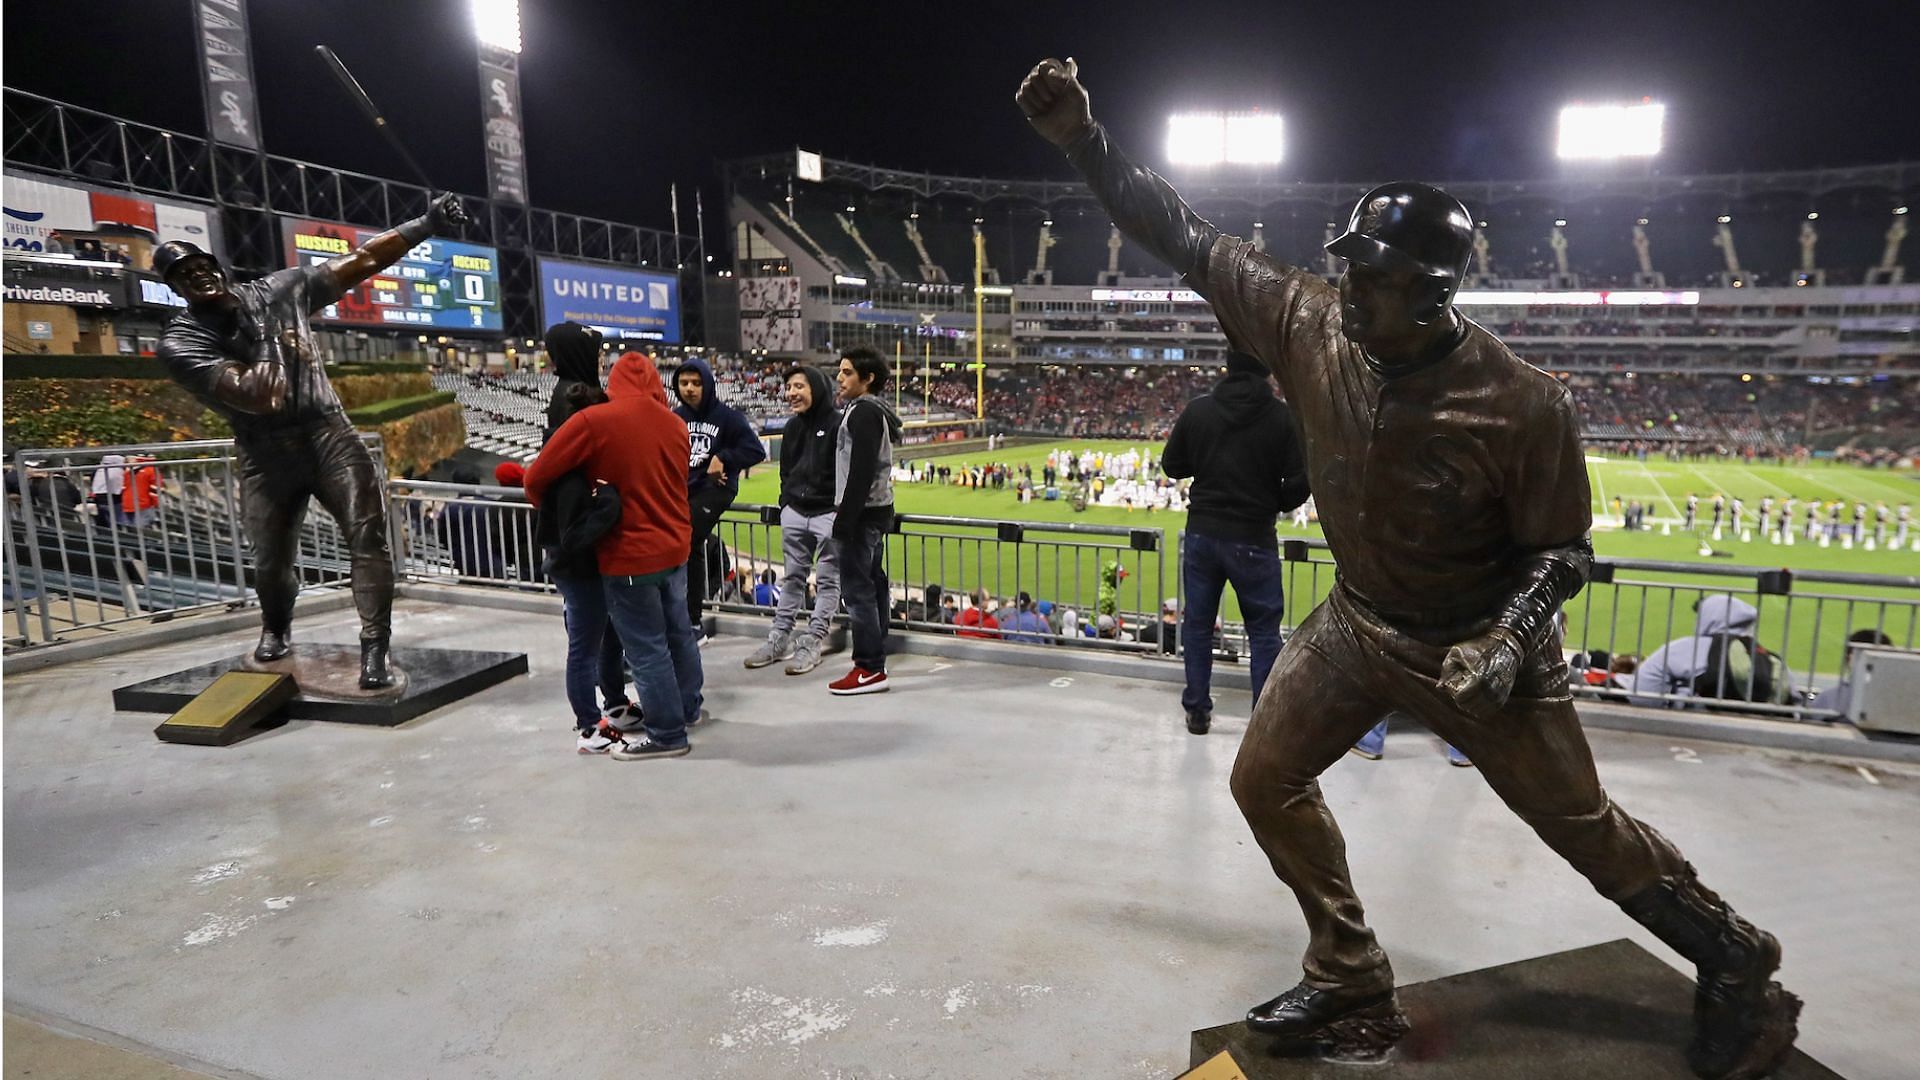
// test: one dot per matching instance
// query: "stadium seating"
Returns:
(1681, 229)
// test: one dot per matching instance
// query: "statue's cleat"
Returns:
(1744, 1022)
(373, 666)
(274, 645)
(1349, 1028)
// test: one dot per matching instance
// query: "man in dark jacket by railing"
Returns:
(806, 523)
(1239, 445)
(722, 446)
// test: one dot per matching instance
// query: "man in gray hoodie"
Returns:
(863, 490)
(1677, 667)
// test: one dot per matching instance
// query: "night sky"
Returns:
(623, 97)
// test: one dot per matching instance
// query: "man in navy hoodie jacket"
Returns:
(723, 445)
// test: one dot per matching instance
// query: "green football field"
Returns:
(1635, 614)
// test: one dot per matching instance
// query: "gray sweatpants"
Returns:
(807, 545)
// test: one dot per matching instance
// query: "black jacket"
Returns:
(569, 518)
(1239, 445)
(807, 450)
(574, 351)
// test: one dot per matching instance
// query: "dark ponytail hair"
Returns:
(579, 396)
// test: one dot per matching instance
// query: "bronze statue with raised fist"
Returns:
(246, 352)
(1452, 487)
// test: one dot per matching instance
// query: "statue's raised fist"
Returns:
(1054, 101)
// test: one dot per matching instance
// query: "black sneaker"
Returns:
(1199, 722)
(636, 746)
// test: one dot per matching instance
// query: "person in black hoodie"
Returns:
(723, 445)
(807, 447)
(566, 525)
(1239, 445)
(574, 352)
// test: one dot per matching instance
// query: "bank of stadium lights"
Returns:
(1242, 138)
(1606, 132)
(497, 23)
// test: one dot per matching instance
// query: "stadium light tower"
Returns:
(1608, 132)
(1240, 138)
(497, 22)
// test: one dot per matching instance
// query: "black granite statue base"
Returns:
(433, 678)
(1599, 1013)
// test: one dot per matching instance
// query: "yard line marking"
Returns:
(1904, 494)
(1657, 486)
(1761, 479)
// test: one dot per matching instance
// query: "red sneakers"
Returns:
(859, 681)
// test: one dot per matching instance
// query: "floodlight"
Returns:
(1589, 132)
(497, 23)
(1249, 138)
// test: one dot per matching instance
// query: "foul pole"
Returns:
(979, 341)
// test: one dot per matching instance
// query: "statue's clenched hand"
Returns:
(1054, 101)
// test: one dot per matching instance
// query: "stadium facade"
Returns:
(1800, 274)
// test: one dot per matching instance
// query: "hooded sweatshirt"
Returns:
(635, 443)
(1673, 667)
(1240, 446)
(863, 465)
(715, 430)
(807, 450)
(575, 352)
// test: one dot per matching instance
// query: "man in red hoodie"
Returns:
(635, 443)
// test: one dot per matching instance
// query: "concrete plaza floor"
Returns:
(990, 872)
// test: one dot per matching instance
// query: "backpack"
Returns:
(1736, 663)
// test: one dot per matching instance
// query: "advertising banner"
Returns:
(500, 115)
(770, 314)
(35, 209)
(618, 301)
(444, 285)
(226, 69)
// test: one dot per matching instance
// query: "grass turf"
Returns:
(1635, 614)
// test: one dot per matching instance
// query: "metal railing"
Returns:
(93, 543)
(76, 561)
(1087, 570)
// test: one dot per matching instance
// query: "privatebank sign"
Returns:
(618, 301)
(69, 295)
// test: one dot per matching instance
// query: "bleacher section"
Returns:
(1682, 228)
(506, 412)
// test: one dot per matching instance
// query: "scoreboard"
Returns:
(440, 285)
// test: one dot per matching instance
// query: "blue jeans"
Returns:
(1207, 567)
(650, 615)
(867, 593)
(593, 649)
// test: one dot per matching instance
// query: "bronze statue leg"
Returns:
(1310, 712)
(1534, 755)
(273, 505)
(349, 486)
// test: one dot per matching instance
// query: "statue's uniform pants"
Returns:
(280, 471)
(1338, 675)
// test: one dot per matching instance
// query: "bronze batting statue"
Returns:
(246, 352)
(1453, 491)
